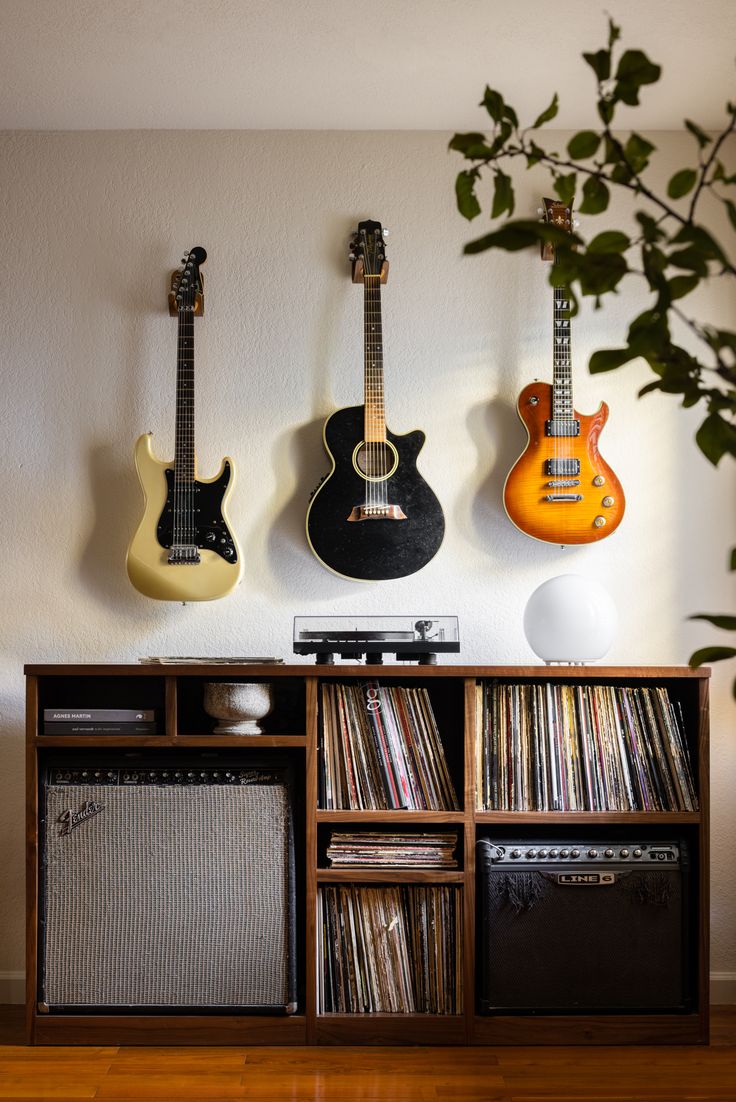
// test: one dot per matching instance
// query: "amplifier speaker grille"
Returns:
(169, 897)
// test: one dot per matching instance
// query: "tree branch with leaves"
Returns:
(671, 251)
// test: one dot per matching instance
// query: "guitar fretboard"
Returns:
(562, 403)
(184, 437)
(375, 414)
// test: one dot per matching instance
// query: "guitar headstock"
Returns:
(368, 252)
(187, 284)
(557, 214)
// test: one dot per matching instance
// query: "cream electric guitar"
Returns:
(183, 549)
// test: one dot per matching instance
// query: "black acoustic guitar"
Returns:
(374, 517)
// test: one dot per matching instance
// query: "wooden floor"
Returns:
(372, 1075)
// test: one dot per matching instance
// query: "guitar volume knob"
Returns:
(599, 480)
(599, 522)
(534, 401)
(607, 502)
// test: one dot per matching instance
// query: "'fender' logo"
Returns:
(70, 819)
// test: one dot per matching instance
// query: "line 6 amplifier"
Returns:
(580, 927)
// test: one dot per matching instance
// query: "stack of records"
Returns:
(381, 749)
(391, 950)
(557, 747)
(356, 849)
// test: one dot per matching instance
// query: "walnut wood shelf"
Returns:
(175, 693)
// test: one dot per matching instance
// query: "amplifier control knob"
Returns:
(542, 853)
(637, 853)
(564, 853)
(609, 853)
(554, 853)
(574, 853)
(624, 853)
(516, 853)
(531, 853)
(592, 853)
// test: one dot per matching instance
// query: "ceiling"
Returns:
(341, 64)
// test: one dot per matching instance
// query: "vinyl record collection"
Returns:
(551, 747)
(356, 848)
(381, 749)
(392, 950)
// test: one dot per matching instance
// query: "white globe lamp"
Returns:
(570, 619)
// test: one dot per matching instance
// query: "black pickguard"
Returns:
(377, 549)
(211, 531)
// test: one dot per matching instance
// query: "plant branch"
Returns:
(704, 172)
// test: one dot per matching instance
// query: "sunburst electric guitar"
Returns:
(561, 490)
(183, 549)
(374, 517)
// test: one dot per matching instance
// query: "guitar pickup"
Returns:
(562, 468)
(377, 512)
(564, 482)
(562, 426)
(563, 497)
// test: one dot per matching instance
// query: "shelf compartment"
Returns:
(286, 715)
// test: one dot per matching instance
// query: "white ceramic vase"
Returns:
(238, 705)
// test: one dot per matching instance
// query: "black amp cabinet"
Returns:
(168, 887)
(583, 927)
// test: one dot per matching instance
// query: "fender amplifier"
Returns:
(167, 888)
(583, 927)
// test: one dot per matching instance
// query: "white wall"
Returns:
(92, 224)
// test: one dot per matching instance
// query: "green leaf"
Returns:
(467, 203)
(681, 183)
(702, 240)
(535, 155)
(701, 135)
(513, 236)
(649, 228)
(637, 151)
(584, 144)
(634, 70)
(472, 145)
(595, 196)
(606, 107)
(716, 438)
(726, 623)
(597, 273)
(565, 187)
(608, 359)
(731, 208)
(547, 114)
(503, 195)
(494, 104)
(683, 285)
(611, 241)
(600, 63)
(690, 258)
(711, 654)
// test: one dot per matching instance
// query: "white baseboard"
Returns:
(12, 987)
(722, 988)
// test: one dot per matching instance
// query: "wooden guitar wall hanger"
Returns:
(183, 548)
(561, 490)
(373, 517)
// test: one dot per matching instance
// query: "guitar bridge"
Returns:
(377, 512)
(184, 555)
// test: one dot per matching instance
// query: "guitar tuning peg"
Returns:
(576, 222)
(540, 210)
(386, 233)
(351, 256)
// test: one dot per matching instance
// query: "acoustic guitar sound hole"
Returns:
(375, 460)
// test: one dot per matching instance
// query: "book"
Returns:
(98, 715)
(71, 728)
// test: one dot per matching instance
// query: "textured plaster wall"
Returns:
(92, 223)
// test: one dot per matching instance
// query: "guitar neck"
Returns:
(562, 400)
(184, 435)
(375, 414)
